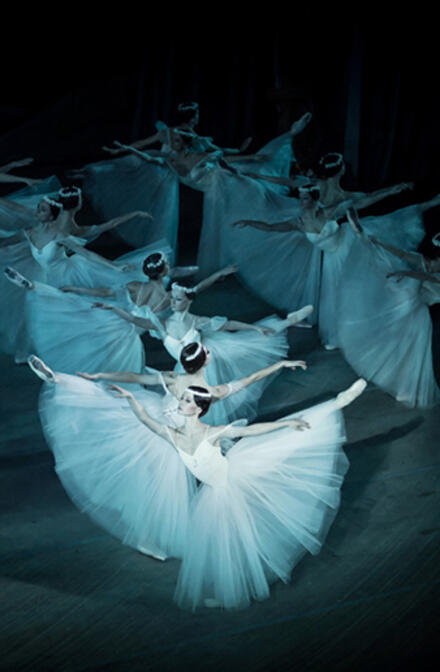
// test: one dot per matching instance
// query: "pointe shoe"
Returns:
(299, 315)
(347, 396)
(17, 278)
(156, 553)
(211, 603)
(40, 369)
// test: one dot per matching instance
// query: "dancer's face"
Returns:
(307, 202)
(187, 406)
(179, 301)
(43, 212)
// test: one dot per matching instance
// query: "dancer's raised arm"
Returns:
(413, 258)
(88, 254)
(138, 321)
(283, 227)
(138, 144)
(16, 164)
(124, 377)
(142, 155)
(418, 275)
(215, 277)
(97, 229)
(141, 413)
(222, 391)
(362, 202)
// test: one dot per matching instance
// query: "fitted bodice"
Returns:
(175, 345)
(328, 239)
(207, 463)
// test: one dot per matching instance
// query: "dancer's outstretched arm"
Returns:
(234, 325)
(141, 413)
(138, 144)
(16, 164)
(128, 317)
(142, 155)
(234, 432)
(183, 271)
(418, 275)
(283, 227)
(362, 202)
(413, 258)
(102, 292)
(97, 229)
(215, 277)
(7, 178)
(91, 256)
(432, 203)
(225, 390)
(124, 377)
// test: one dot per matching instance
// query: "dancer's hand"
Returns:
(242, 223)
(397, 274)
(353, 219)
(89, 376)
(103, 306)
(31, 182)
(142, 213)
(403, 187)
(22, 162)
(228, 270)
(299, 424)
(295, 364)
(126, 268)
(243, 147)
(67, 288)
(266, 331)
(300, 125)
(113, 150)
(122, 393)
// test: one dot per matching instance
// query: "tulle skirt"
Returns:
(118, 186)
(281, 495)
(124, 476)
(69, 335)
(385, 329)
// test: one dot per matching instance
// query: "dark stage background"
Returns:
(372, 88)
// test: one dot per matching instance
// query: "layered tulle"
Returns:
(69, 335)
(274, 502)
(125, 184)
(124, 476)
(385, 328)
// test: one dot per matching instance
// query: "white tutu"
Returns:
(385, 328)
(128, 479)
(125, 184)
(260, 509)
(70, 335)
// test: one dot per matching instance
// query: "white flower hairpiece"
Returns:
(156, 264)
(53, 202)
(436, 239)
(186, 290)
(200, 348)
(339, 160)
(182, 107)
(308, 188)
(69, 191)
(206, 395)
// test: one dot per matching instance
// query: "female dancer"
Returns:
(319, 224)
(386, 333)
(70, 337)
(39, 252)
(232, 356)
(194, 358)
(259, 509)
